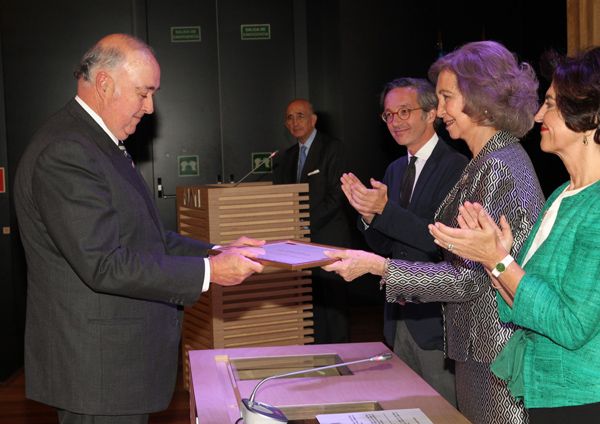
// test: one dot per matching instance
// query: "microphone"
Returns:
(261, 163)
(254, 412)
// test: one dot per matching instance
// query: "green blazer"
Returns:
(557, 356)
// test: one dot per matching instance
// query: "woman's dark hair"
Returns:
(576, 81)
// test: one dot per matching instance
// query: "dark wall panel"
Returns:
(187, 106)
(42, 43)
(222, 98)
(257, 80)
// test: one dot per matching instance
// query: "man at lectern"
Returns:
(316, 159)
(106, 282)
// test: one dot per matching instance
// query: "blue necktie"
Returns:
(126, 153)
(301, 160)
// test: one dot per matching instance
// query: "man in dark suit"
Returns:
(395, 214)
(316, 159)
(105, 281)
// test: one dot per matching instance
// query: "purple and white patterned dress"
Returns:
(501, 178)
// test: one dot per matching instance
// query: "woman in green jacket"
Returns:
(552, 290)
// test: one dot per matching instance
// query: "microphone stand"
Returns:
(254, 412)
(261, 163)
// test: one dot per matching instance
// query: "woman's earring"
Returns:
(585, 140)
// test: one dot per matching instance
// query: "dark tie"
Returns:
(126, 153)
(301, 160)
(407, 182)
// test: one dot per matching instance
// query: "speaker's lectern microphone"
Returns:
(261, 163)
(254, 412)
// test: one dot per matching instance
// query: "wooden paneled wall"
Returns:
(583, 24)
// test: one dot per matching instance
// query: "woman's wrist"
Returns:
(379, 265)
(496, 258)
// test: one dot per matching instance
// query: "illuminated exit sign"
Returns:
(187, 34)
(255, 31)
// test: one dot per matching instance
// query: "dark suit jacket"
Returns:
(104, 278)
(328, 221)
(402, 233)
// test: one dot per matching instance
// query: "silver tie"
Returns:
(301, 160)
(126, 153)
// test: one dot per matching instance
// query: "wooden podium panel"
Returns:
(271, 308)
(220, 213)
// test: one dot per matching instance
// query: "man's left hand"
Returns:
(245, 241)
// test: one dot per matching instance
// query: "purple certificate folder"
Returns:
(293, 255)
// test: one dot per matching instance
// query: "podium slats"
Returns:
(268, 309)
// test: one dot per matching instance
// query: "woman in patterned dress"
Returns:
(489, 100)
(553, 289)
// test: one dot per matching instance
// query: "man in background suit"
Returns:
(105, 281)
(316, 159)
(394, 218)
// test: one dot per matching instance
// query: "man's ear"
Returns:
(313, 119)
(431, 115)
(104, 84)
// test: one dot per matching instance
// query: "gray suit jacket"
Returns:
(104, 278)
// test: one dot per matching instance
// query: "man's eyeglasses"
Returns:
(403, 113)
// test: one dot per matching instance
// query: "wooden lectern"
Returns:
(221, 378)
(272, 308)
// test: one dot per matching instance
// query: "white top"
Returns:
(548, 221)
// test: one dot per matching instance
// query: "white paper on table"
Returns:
(392, 416)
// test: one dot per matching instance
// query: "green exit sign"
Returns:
(185, 34)
(255, 31)
(261, 162)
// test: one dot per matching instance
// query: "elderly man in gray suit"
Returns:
(105, 281)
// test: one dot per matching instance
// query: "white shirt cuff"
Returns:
(206, 282)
